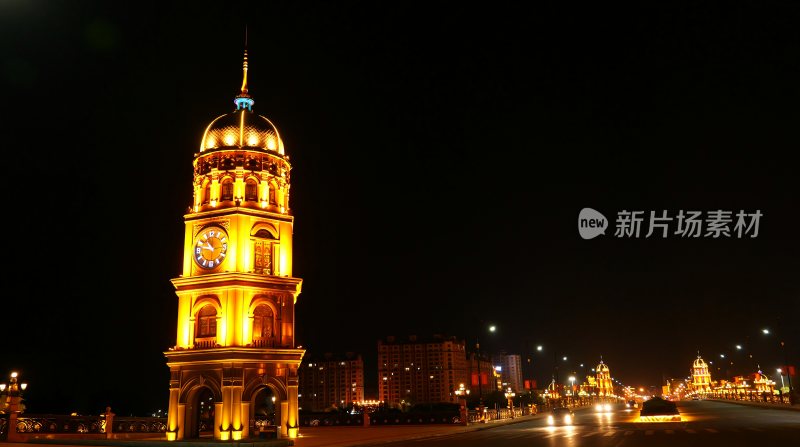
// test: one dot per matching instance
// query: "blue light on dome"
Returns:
(243, 103)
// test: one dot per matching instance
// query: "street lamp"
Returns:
(492, 329)
(572, 389)
(780, 373)
(12, 394)
(792, 398)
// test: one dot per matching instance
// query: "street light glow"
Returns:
(765, 331)
(739, 347)
(539, 348)
(565, 358)
(492, 328)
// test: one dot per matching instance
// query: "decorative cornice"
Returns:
(198, 357)
(238, 279)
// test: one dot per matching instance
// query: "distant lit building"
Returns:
(588, 387)
(605, 386)
(510, 370)
(701, 376)
(420, 369)
(762, 383)
(331, 381)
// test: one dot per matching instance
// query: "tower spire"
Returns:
(243, 99)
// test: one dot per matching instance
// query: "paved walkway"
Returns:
(376, 435)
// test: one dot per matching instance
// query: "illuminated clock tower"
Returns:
(603, 378)
(235, 335)
(701, 376)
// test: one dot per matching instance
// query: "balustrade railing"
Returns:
(66, 424)
(779, 399)
(205, 343)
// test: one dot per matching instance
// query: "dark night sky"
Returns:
(441, 155)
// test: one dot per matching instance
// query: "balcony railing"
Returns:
(263, 342)
(205, 342)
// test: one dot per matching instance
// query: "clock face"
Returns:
(211, 247)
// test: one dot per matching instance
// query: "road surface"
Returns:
(705, 424)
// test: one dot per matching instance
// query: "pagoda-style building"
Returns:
(235, 357)
(701, 376)
(605, 387)
(762, 383)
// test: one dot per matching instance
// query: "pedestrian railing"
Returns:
(56, 424)
(778, 399)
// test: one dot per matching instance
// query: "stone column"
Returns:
(284, 428)
(293, 422)
(109, 423)
(172, 416)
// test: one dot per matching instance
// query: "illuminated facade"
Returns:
(420, 370)
(236, 295)
(331, 381)
(605, 387)
(701, 376)
(762, 383)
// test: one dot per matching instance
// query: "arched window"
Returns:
(273, 194)
(206, 322)
(227, 190)
(250, 191)
(262, 323)
(206, 192)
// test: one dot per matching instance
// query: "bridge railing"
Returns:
(778, 399)
(31, 426)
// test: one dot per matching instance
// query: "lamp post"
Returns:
(572, 389)
(13, 395)
(780, 373)
(481, 410)
(792, 399)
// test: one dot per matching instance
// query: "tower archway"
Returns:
(266, 405)
(200, 413)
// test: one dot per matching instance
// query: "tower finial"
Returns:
(243, 100)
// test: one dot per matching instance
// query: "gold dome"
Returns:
(699, 363)
(242, 129)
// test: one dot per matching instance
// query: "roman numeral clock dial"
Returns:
(210, 247)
